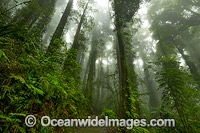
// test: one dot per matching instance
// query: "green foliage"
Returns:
(12, 121)
(125, 10)
(180, 95)
(33, 83)
(2, 54)
(109, 113)
(139, 130)
(134, 98)
(175, 25)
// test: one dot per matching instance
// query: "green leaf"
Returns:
(4, 55)
(3, 117)
(18, 114)
(17, 77)
(38, 101)
(35, 90)
(10, 119)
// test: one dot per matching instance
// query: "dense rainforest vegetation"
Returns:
(129, 59)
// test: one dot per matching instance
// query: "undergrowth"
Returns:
(32, 82)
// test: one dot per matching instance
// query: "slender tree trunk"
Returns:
(79, 55)
(85, 76)
(153, 98)
(100, 80)
(98, 89)
(91, 75)
(59, 30)
(75, 44)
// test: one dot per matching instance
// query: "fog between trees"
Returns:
(121, 58)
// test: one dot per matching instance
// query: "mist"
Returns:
(125, 59)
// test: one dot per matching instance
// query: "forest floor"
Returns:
(92, 130)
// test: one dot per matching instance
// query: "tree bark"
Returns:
(59, 30)
(91, 75)
(153, 97)
(75, 44)
(125, 92)
(90, 87)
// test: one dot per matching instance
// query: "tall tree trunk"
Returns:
(123, 14)
(125, 93)
(79, 55)
(85, 76)
(75, 44)
(153, 98)
(100, 88)
(91, 74)
(82, 58)
(101, 79)
(59, 30)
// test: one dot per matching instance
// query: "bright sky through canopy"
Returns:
(102, 2)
